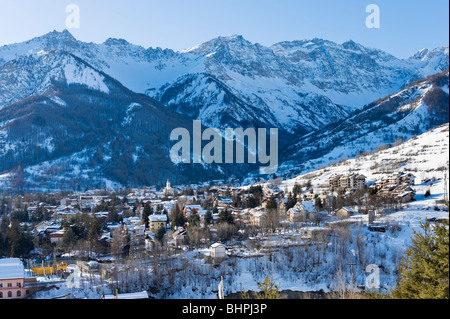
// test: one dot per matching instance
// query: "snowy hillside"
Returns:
(425, 156)
(405, 114)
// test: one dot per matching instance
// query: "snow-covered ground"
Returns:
(293, 265)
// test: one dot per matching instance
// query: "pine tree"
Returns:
(18, 242)
(424, 270)
(147, 211)
(177, 217)
(268, 290)
(69, 238)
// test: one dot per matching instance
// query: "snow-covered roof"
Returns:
(307, 206)
(11, 268)
(158, 218)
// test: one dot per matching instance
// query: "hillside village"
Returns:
(100, 232)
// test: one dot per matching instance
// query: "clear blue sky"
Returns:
(406, 25)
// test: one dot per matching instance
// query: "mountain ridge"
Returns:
(224, 82)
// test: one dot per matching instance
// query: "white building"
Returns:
(218, 250)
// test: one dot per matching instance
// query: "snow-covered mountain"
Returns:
(297, 86)
(412, 111)
(66, 125)
(107, 109)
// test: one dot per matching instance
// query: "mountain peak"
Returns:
(60, 35)
(352, 45)
(219, 42)
(115, 41)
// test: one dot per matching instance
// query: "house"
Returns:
(222, 201)
(156, 222)
(294, 215)
(12, 278)
(396, 179)
(149, 242)
(218, 251)
(403, 178)
(345, 212)
(57, 236)
(305, 209)
(257, 216)
(178, 237)
(333, 182)
(188, 210)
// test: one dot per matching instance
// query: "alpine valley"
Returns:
(76, 115)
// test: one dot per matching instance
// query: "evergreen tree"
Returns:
(225, 216)
(296, 190)
(177, 217)
(18, 242)
(146, 212)
(268, 290)
(423, 273)
(160, 234)
(208, 218)
(194, 220)
(69, 238)
(113, 216)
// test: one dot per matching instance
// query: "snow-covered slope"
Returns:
(35, 74)
(411, 111)
(425, 156)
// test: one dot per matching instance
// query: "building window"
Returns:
(9, 294)
(19, 293)
(9, 284)
(1, 294)
(19, 284)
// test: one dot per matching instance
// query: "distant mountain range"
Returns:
(77, 115)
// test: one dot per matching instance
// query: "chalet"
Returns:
(405, 178)
(221, 201)
(257, 216)
(333, 182)
(404, 193)
(394, 180)
(301, 211)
